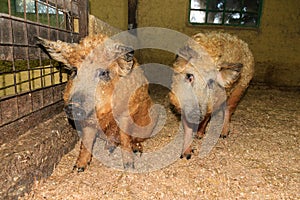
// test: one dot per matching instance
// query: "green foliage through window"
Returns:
(35, 5)
(39, 11)
(243, 13)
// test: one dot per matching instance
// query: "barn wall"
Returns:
(111, 12)
(274, 44)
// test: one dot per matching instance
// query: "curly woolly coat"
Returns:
(107, 70)
(210, 60)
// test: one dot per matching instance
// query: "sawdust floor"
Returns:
(259, 160)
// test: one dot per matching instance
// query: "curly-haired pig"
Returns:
(107, 93)
(211, 72)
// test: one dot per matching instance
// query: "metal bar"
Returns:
(206, 11)
(2, 15)
(13, 56)
(27, 42)
(28, 92)
(56, 17)
(22, 82)
(49, 32)
(31, 69)
(223, 12)
(48, 19)
(9, 7)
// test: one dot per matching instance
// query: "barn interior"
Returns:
(258, 160)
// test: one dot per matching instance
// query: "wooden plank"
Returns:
(34, 155)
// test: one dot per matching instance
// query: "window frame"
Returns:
(224, 11)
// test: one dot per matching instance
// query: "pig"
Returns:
(211, 72)
(107, 93)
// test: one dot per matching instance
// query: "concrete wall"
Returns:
(275, 44)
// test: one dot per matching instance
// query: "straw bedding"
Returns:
(258, 160)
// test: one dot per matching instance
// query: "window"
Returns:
(42, 11)
(35, 5)
(243, 13)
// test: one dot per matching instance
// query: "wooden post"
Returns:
(132, 8)
(83, 13)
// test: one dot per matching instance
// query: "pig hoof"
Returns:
(137, 151)
(137, 147)
(128, 165)
(199, 137)
(188, 156)
(79, 169)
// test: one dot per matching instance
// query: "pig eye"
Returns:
(103, 74)
(210, 83)
(189, 77)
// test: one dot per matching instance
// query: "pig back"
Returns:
(226, 48)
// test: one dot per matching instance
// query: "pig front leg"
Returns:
(126, 147)
(112, 137)
(231, 105)
(137, 146)
(86, 148)
(202, 126)
(188, 138)
(126, 141)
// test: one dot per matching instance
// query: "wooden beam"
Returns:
(83, 8)
(132, 9)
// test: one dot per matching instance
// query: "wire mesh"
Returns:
(29, 80)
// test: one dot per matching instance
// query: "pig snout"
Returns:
(74, 109)
(192, 115)
(74, 112)
(188, 106)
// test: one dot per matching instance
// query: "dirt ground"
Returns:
(259, 160)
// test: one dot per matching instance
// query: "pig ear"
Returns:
(59, 50)
(187, 53)
(125, 59)
(116, 50)
(228, 74)
(180, 64)
(126, 63)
